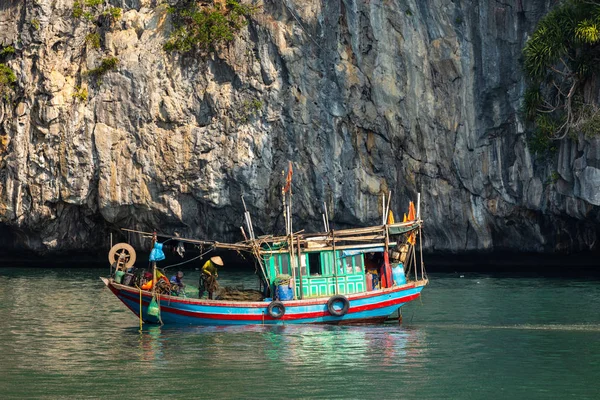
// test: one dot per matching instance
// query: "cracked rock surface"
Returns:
(363, 97)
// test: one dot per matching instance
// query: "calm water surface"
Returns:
(477, 337)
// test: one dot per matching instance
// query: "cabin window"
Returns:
(314, 264)
(282, 264)
(302, 266)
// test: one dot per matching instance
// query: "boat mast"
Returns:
(334, 261)
(289, 227)
(300, 269)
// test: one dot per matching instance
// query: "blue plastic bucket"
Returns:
(284, 292)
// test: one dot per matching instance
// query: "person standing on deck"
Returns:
(209, 275)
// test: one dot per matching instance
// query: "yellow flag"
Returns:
(390, 217)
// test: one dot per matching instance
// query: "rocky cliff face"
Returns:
(363, 96)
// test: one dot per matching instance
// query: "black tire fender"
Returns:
(335, 299)
(273, 307)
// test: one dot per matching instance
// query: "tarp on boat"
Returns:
(355, 252)
(398, 229)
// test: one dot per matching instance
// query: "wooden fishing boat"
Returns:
(335, 276)
(329, 283)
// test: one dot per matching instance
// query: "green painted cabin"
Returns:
(318, 277)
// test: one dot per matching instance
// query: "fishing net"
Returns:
(238, 294)
(282, 279)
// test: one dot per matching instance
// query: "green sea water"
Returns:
(64, 336)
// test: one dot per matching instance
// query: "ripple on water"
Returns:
(65, 336)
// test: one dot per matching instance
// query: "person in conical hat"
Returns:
(208, 278)
(217, 261)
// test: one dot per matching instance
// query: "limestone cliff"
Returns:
(363, 96)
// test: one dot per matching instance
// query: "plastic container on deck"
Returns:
(284, 292)
(398, 274)
(119, 276)
(127, 279)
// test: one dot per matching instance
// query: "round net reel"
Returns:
(122, 255)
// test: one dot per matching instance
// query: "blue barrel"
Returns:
(285, 292)
(398, 274)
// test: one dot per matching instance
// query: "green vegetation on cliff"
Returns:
(205, 27)
(107, 64)
(7, 78)
(561, 60)
(7, 51)
(80, 93)
(93, 39)
(90, 9)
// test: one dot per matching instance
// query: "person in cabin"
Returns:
(372, 265)
(209, 275)
(177, 284)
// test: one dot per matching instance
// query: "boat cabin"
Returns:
(317, 275)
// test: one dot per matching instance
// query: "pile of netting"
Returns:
(282, 280)
(239, 294)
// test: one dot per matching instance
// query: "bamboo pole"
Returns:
(359, 238)
(339, 233)
(383, 210)
(421, 254)
(300, 269)
(326, 217)
(257, 254)
(414, 259)
(334, 262)
(231, 246)
(345, 247)
(408, 262)
(387, 208)
(292, 262)
(385, 266)
(140, 308)
(153, 278)
(290, 202)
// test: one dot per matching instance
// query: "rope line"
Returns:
(191, 259)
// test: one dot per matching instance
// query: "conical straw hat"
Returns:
(217, 261)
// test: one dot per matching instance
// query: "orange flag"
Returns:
(390, 219)
(288, 179)
(412, 215)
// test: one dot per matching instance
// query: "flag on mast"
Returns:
(288, 179)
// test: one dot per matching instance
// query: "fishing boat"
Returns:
(358, 275)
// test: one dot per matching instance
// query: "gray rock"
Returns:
(363, 97)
